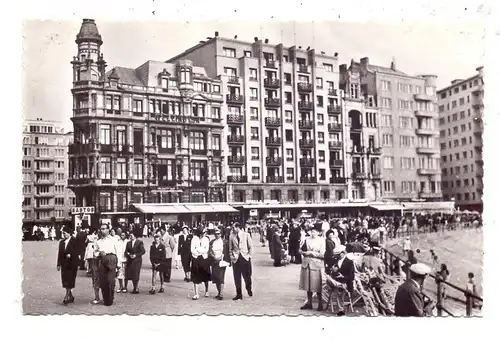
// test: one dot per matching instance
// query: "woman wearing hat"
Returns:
(313, 252)
(200, 267)
(184, 251)
(219, 254)
(67, 263)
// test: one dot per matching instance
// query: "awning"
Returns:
(386, 207)
(157, 209)
(223, 208)
(199, 209)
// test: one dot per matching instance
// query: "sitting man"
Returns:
(342, 277)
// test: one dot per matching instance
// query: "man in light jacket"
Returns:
(169, 243)
(240, 251)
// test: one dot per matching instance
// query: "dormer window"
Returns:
(354, 91)
(164, 83)
(185, 76)
(113, 82)
(172, 83)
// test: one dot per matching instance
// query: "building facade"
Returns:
(152, 134)
(284, 119)
(400, 116)
(46, 200)
(461, 137)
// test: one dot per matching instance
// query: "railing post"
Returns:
(391, 260)
(385, 261)
(439, 302)
(468, 303)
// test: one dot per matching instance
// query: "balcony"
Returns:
(306, 143)
(269, 63)
(199, 152)
(78, 181)
(80, 149)
(275, 179)
(333, 92)
(308, 180)
(274, 161)
(359, 176)
(216, 153)
(357, 149)
(424, 97)
(334, 109)
(374, 151)
(235, 119)
(272, 102)
(273, 141)
(199, 183)
(302, 68)
(233, 80)
(426, 114)
(272, 83)
(335, 144)
(150, 150)
(237, 179)
(234, 99)
(105, 148)
(45, 207)
(479, 162)
(46, 170)
(45, 194)
(480, 173)
(428, 150)
(236, 160)
(334, 127)
(306, 124)
(478, 90)
(337, 180)
(304, 87)
(428, 172)
(307, 162)
(273, 121)
(125, 149)
(236, 139)
(45, 182)
(375, 176)
(305, 106)
(427, 194)
(427, 132)
(336, 163)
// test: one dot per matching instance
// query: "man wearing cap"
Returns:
(343, 271)
(240, 251)
(409, 299)
(107, 249)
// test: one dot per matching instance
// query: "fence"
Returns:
(427, 229)
(389, 258)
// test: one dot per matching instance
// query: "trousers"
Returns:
(168, 269)
(243, 268)
(107, 276)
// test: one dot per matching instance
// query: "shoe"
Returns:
(161, 290)
(152, 291)
(250, 293)
(167, 281)
(195, 297)
(306, 306)
(320, 308)
(119, 290)
(238, 297)
(186, 279)
(341, 313)
(96, 302)
(206, 294)
(65, 302)
(124, 290)
(71, 299)
(135, 292)
(219, 297)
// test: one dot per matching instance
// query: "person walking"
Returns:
(218, 251)
(67, 263)
(169, 242)
(200, 267)
(185, 252)
(240, 251)
(157, 256)
(93, 264)
(107, 250)
(122, 261)
(134, 251)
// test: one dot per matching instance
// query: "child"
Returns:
(406, 245)
(443, 274)
(471, 288)
(157, 256)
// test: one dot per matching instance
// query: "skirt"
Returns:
(218, 273)
(200, 270)
(121, 271)
(94, 270)
(310, 280)
(68, 276)
(186, 262)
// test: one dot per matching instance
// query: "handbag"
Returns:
(223, 264)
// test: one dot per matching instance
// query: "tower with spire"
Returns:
(88, 64)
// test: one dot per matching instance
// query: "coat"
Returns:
(348, 271)
(243, 246)
(409, 300)
(157, 256)
(133, 270)
(68, 261)
(184, 249)
(169, 243)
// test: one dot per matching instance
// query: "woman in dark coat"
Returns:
(277, 248)
(67, 264)
(134, 251)
(184, 250)
(294, 245)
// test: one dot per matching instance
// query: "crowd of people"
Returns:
(330, 252)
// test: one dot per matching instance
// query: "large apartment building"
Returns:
(397, 112)
(45, 167)
(151, 134)
(461, 129)
(284, 119)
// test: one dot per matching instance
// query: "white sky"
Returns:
(449, 50)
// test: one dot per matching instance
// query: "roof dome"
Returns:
(88, 32)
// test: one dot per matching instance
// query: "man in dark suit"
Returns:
(240, 251)
(343, 271)
(67, 263)
(409, 299)
(184, 250)
(157, 256)
(81, 243)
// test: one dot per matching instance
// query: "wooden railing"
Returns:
(388, 259)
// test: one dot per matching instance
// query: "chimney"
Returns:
(365, 61)
(216, 33)
(235, 37)
(393, 64)
(255, 39)
(266, 41)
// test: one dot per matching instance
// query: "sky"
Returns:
(449, 51)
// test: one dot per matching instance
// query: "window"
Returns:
(289, 154)
(216, 88)
(387, 140)
(321, 119)
(322, 174)
(389, 187)
(290, 173)
(254, 113)
(121, 168)
(386, 85)
(138, 169)
(319, 83)
(197, 140)
(388, 162)
(105, 134)
(288, 97)
(328, 67)
(247, 53)
(230, 72)
(105, 168)
(255, 172)
(253, 93)
(387, 120)
(255, 153)
(215, 112)
(254, 132)
(253, 74)
(321, 155)
(406, 141)
(288, 79)
(321, 137)
(319, 100)
(289, 135)
(405, 122)
(229, 52)
(354, 91)
(386, 103)
(289, 115)
(216, 142)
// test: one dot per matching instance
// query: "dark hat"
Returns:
(317, 227)
(68, 229)
(236, 225)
